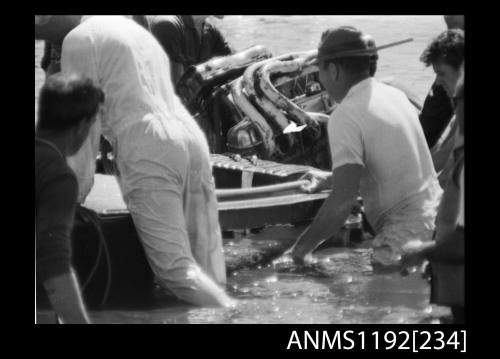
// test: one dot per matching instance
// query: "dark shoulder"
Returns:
(220, 45)
(50, 166)
(167, 23)
(213, 30)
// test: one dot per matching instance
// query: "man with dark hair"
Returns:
(445, 54)
(67, 110)
(187, 39)
(378, 149)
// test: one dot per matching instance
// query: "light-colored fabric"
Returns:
(161, 153)
(406, 223)
(460, 219)
(376, 126)
(442, 152)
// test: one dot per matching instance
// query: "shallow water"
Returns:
(349, 292)
(352, 294)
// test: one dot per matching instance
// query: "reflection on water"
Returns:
(266, 296)
(349, 292)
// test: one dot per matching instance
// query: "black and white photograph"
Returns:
(250, 169)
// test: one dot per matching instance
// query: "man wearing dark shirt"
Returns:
(67, 109)
(436, 114)
(187, 39)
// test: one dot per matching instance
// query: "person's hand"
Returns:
(229, 302)
(413, 253)
(318, 181)
(302, 258)
(290, 258)
(318, 117)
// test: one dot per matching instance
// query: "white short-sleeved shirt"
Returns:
(377, 127)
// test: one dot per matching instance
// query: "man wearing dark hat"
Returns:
(378, 149)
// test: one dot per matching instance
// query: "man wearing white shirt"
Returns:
(378, 150)
(161, 154)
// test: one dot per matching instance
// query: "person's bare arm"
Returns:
(450, 249)
(448, 246)
(64, 295)
(54, 221)
(332, 215)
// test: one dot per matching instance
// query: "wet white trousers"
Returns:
(413, 219)
(167, 183)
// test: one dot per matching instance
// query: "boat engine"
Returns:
(254, 105)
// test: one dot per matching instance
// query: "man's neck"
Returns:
(351, 82)
(60, 142)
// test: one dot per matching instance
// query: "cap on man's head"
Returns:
(345, 41)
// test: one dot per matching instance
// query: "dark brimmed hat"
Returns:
(345, 41)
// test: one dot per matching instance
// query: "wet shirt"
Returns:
(56, 190)
(376, 127)
(179, 38)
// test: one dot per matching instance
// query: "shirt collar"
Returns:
(358, 87)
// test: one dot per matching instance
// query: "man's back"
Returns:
(180, 40)
(128, 63)
(376, 126)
